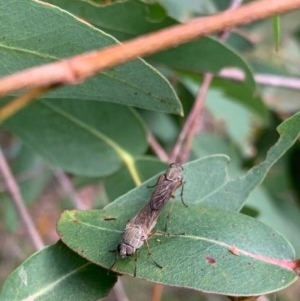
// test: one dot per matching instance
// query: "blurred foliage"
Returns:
(91, 130)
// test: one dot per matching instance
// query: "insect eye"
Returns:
(122, 252)
(129, 250)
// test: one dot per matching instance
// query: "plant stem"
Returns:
(19, 203)
(184, 142)
(263, 78)
(69, 189)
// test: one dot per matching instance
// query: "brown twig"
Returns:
(69, 189)
(184, 142)
(182, 147)
(263, 79)
(157, 292)
(19, 203)
(24, 176)
(21, 102)
(78, 68)
(157, 148)
(119, 291)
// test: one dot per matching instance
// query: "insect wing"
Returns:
(162, 194)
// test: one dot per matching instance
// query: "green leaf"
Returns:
(87, 138)
(184, 10)
(240, 94)
(199, 259)
(57, 273)
(239, 42)
(133, 20)
(237, 120)
(206, 180)
(232, 196)
(59, 35)
(134, 17)
(32, 173)
(280, 214)
(201, 178)
(121, 181)
(209, 233)
(230, 104)
(156, 121)
(204, 55)
(210, 144)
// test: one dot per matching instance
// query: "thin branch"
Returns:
(21, 102)
(19, 203)
(184, 142)
(156, 147)
(24, 176)
(69, 189)
(80, 67)
(119, 291)
(181, 152)
(182, 147)
(235, 74)
(263, 298)
(263, 78)
(157, 292)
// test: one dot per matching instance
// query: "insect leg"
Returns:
(168, 217)
(150, 255)
(135, 263)
(181, 196)
(115, 261)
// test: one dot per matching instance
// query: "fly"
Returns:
(138, 229)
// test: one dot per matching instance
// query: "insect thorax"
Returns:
(133, 238)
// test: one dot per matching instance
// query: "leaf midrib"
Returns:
(116, 147)
(47, 288)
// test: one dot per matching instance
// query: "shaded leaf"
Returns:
(134, 17)
(88, 138)
(234, 118)
(241, 93)
(233, 195)
(184, 10)
(204, 55)
(57, 273)
(227, 100)
(121, 181)
(280, 214)
(32, 173)
(211, 144)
